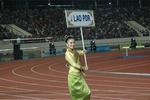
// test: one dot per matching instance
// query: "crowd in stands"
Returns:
(110, 23)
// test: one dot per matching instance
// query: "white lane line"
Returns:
(33, 90)
(138, 92)
(107, 98)
(34, 78)
(121, 73)
(27, 97)
(123, 65)
(132, 66)
(32, 69)
(33, 84)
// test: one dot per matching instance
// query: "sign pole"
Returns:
(83, 47)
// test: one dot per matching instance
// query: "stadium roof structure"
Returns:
(82, 3)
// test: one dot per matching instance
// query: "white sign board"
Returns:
(79, 18)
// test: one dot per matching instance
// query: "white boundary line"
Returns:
(121, 73)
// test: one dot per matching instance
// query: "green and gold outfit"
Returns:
(78, 87)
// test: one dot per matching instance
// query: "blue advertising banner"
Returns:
(103, 48)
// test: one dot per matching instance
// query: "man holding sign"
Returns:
(78, 87)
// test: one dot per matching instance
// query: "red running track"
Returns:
(111, 77)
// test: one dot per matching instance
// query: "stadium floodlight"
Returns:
(49, 2)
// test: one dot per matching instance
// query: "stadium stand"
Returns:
(51, 23)
(48, 23)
